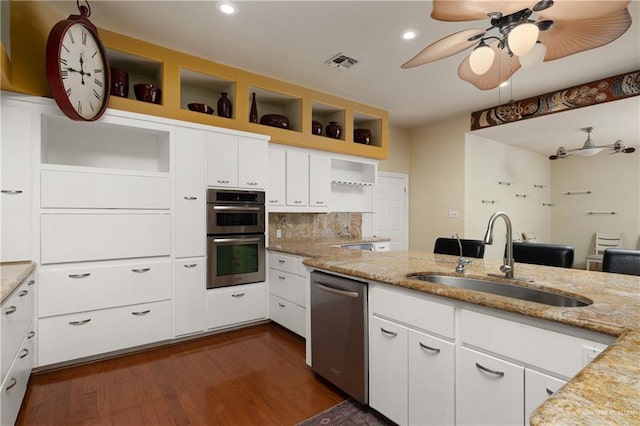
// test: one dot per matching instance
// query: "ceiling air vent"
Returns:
(342, 62)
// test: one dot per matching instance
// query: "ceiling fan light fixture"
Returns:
(534, 57)
(227, 7)
(588, 152)
(481, 59)
(523, 38)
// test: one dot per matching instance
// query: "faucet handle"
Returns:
(506, 268)
(462, 261)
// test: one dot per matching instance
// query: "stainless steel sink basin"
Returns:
(503, 289)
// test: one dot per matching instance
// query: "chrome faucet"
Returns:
(462, 261)
(507, 266)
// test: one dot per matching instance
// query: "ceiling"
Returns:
(291, 40)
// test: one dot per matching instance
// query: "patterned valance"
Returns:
(597, 92)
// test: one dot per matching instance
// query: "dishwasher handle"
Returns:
(326, 287)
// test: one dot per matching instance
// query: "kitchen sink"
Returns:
(504, 289)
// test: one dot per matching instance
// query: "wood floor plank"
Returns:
(252, 376)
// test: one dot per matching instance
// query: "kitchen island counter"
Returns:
(607, 391)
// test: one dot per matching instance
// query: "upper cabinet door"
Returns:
(223, 160)
(319, 180)
(297, 178)
(253, 158)
(16, 184)
(276, 191)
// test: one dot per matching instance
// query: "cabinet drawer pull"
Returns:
(549, 392)
(273, 201)
(252, 183)
(490, 371)
(319, 202)
(237, 295)
(24, 353)
(12, 191)
(388, 333)
(141, 270)
(282, 305)
(79, 275)
(31, 282)
(23, 293)
(190, 198)
(31, 334)
(223, 181)
(281, 278)
(140, 313)
(10, 310)
(429, 348)
(191, 265)
(12, 383)
(82, 322)
(280, 261)
(297, 202)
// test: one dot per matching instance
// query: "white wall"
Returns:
(488, 163)
(614, 182)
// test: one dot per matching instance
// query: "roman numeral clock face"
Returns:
(78, 71)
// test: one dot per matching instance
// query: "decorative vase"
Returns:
(253, 114)
(119, 83)
(362, 136)
(316, 127)
(224, 106)
(333, 130)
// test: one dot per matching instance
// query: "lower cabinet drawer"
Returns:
(15, 384)
(287, 314)
(287, 286)
(67, 337)
(237, 304)
(90, 287)
(17, 314)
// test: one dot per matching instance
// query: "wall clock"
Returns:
(77, 67)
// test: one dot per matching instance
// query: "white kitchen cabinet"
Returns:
(190, 193)
(319, 180)
(537, 388)
(490, 390)
(388, 374)
(287, 314)
(189, 295)
(297, 179)
(14, 386)
(288, 286)
(15, 181)
(276, 192)
(237, 162)
(235, 305)
(431, 380)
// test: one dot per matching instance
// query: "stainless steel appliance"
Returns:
(339, 343)
(235, 237)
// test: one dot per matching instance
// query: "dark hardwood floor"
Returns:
(253, 376)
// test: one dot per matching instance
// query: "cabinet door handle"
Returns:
(82, 322)
(549, 391)
(282, 305)
(489, 371)
(297, 202)
(237, 295)
(79, 275)
(280, 261)
(223, 181)
(31, 282)
(429, 348)
(273, 201)
(141, 270)
(281, 278)
(190, 198)
(11, 309)
(24, 353)
(191, 265)
(319, 202)
(252, 183)
(23, 293)
(12, 383)
(31, 334)
(12, 191)
(140, 313)
(388, 333)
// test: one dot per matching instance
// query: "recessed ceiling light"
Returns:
(227, 7)
(409, 34)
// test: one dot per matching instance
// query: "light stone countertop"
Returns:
(607, 391)
(12, 275)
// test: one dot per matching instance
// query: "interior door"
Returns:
(391, 209)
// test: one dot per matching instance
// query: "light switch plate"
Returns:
(453, 214)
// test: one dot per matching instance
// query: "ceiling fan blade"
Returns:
(470, 10)
(568, 37)
(571, 10)
(445, 47)
(501, 70)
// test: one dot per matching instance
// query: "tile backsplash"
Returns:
(317, 226)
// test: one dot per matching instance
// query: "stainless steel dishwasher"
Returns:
(339, 350)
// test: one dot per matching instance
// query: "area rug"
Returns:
(347, 413)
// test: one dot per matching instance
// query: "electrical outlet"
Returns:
(453, 214)
(278, 233)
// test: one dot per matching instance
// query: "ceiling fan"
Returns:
(562, 28)
(589, 148)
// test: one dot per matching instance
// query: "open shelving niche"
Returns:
(140, 70)
(352, 183)
(327, 113)
(374, 124)
(270, 102)
(206, 89)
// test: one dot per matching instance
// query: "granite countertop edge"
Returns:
(13, 274)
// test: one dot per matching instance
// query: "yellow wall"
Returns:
(399, 150)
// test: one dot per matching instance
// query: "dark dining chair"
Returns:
(621, 261)
(470, 248)
(544, 254)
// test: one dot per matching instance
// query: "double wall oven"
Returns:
(235, 237)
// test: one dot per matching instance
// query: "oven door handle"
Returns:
(236, 240)
(239, 208)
